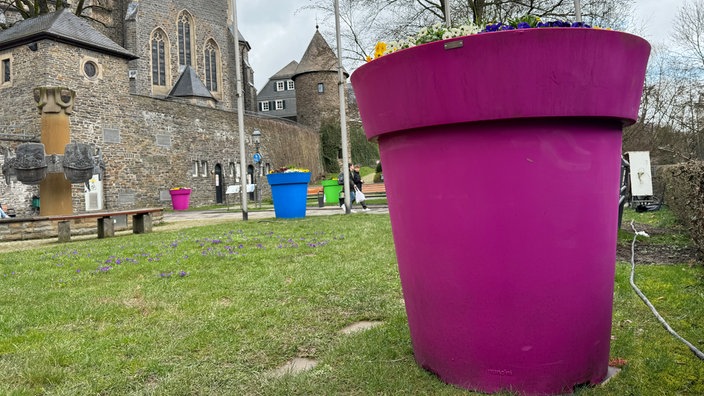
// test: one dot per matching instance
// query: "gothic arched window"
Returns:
(159, 56)
(212, 69)
(185, 39)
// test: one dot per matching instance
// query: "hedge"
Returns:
(684, 194)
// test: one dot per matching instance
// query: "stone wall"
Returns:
(210, 21)
(314, 107)
(149, 145)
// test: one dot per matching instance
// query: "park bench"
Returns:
(371, 190)
(141, 221)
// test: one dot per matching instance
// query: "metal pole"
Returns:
(448, 22)
(240, 112)
(343, 115)
(578, 10)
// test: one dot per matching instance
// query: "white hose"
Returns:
(694, 349)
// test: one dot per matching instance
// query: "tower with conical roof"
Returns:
(316, 79)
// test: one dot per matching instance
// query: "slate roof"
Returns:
(63, 26)
(286, 72)
(318, 57)
(189, 85)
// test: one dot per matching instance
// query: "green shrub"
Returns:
(684, 194)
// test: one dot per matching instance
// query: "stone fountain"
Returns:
(56, 162)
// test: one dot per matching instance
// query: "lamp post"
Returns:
(257, 157)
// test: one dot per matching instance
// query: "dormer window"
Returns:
(280, 86)
(290, 86)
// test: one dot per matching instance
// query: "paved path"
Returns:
(193, 218)
(235, 213)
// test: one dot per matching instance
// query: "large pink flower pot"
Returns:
(508, 278)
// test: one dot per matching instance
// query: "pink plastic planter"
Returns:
(501, 155)
(180, 198)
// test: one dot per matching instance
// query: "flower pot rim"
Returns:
(562, 72)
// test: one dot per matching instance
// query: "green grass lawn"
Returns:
(214, 310)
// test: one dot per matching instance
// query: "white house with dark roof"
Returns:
(278, 97)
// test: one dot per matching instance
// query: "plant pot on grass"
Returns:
(508, 275)
(180, 198)
(289, 191)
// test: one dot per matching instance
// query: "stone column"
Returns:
(55, 104)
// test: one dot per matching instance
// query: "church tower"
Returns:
(316, 79)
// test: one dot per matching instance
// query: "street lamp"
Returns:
(257, 139)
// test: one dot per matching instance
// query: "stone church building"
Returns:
(154, 85)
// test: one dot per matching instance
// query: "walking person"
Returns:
(340, 181)
(357, 180)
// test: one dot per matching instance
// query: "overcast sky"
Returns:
(279, 33)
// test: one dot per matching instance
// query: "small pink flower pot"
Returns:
(501, 155)
(180, 198)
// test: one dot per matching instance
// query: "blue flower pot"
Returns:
(289, 191)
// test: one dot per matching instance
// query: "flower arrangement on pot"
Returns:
(531, 115)
(289, 190)
(440, 31)
(289, 169)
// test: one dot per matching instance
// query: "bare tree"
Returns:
(367, 21)
(27, 9)
(689, 31)
(670, 121)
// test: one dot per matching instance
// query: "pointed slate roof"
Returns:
(63, 26)
(287, 71)
(318, 57)
(189, 85)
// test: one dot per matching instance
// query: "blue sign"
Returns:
(257, 157)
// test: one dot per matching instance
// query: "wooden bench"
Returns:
(141, 221)
(374, 190)
(371, 190)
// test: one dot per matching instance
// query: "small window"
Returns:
(279, 104)
(90, 69)
(279, 86)
(204, 168)
(195, 168)
(232, 169)
(290, 85)
(238, 172)
(6, 71)
(321, 87)
(264, 106)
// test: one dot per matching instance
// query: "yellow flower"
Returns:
(368, 58)
(379, 49)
